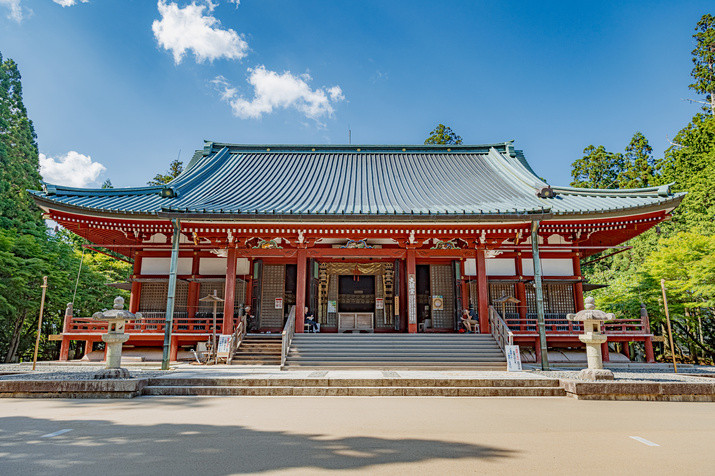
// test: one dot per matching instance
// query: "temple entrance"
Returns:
(437, 297)
(356, 297)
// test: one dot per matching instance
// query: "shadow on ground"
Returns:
(103, 447)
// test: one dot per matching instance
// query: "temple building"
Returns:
(372, 238)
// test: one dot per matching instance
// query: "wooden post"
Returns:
(39, 323)
(136, 291)
(301, 278)
(229, 292)
(649, 355)
(521, 292)
(577, 287)
(670, 330)
(605, 353)
(65, 345)
(411, 291)
(482, 292)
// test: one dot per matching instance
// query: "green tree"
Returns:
(598, 168)
(704, 61)
(443, 135)
(639, 163)
(28, 250)
(107, 184)
(19, 161)
(175, 168)
(690, 164)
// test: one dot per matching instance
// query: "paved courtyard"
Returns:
(393, 435)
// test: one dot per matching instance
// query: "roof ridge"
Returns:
(658, 190)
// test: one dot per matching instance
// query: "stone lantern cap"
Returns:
(117, 312)
(590, 313)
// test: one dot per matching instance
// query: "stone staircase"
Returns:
(366, 387)
(418, 351)
(259, 349)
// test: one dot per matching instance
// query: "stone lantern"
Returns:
(116, 318)
(593, 338)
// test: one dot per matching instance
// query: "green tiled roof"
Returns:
(343, 181)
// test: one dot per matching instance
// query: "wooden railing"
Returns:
(288, 331)
(557, 324)
(500, 330)
(150, 323)
(237, 338)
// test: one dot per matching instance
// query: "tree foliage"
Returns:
(443, 135)
(704, 61)
(29, 251)
(598, 168)
(175, 168)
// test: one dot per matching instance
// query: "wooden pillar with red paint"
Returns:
(605, 353)
(578, 287)
(136, 291)
(193, 298)
(521, 291)
(66, 325)
(482, 292)
(465, 286)
(411, 291)
(229, 292)
(301, 278)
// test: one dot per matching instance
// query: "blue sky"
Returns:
(109, 99)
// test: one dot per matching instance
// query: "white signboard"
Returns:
(223, 344)
(513, 358)
(379, 303)
(412, 299)
(332, 306)
(279, 303)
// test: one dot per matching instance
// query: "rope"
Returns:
(81, 260)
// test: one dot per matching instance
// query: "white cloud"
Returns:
(69, 3)
(73, 169)
(272, 90)
(181, 30)
(14, 9)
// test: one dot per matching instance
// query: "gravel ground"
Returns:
(641, 375)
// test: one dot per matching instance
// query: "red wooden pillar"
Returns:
(65, 345)
(605, 353)
(174, 349)
(300, 290)
(578, 287)
(482, 292)
(626, 349)
(229, 292)
(136, 291)
(194, 289)
(520, 291)
(649, 356)
(411, 291)
(537, 349)
(465, 285)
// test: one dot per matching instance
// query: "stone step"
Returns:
(356, 391)
(350, 382)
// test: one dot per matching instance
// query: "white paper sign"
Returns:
(223, 344)
(412, 299)
(513, 358)
(379, 303)
(279, 303)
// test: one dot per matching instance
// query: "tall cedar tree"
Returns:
(19, 162)
(598, 168)
(704, 61)
(28, 250)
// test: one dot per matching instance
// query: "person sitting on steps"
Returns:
(469, 323)
(313, 326)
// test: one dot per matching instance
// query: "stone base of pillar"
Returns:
(596, 374)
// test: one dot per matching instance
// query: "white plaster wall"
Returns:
(500, 267)
(157, 266)
(549, 267)
(217, 266)
(470, 267)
